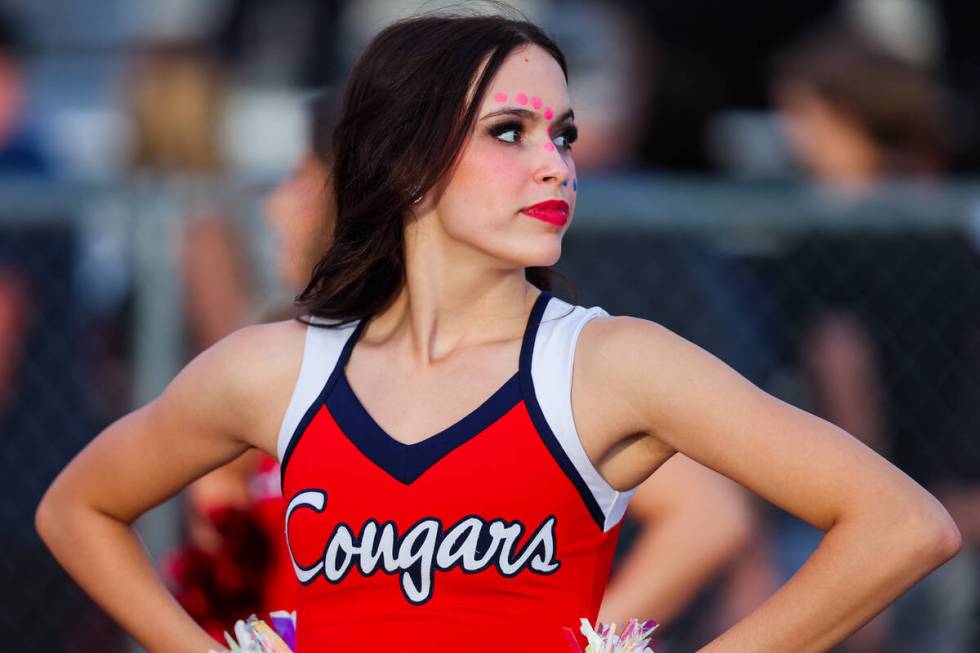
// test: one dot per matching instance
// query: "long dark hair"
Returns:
(404, 120)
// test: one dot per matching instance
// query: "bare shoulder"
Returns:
(645, 393)
(615, 339)
(618, 360)
(259, 350)
(249, 377)
(621, 355)
(623, 350)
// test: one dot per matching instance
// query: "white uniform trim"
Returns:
(551, 371)
(320, 353)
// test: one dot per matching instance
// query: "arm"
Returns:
(884, 532)
(226, 400)
(694, 522)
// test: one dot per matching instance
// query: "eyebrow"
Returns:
(527, 113)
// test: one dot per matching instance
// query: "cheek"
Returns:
(489, 178)
(496, 167)
(506, 178)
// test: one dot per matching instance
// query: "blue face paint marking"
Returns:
(575, 184)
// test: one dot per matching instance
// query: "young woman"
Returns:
(691, 522)
(450, 483)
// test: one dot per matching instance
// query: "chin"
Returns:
(541, 255)
(521, 250)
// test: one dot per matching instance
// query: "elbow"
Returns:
(44, 519)
(944, 540)
(917, 533)
(936, 538)
(51, 517)
(47, 516)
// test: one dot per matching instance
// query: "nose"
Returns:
(553, 166)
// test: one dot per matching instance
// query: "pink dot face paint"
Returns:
(500, 97)
(522, 98)
(536, 102)
(550, 147)
(549, 114)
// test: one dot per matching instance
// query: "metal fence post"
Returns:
(158, 335)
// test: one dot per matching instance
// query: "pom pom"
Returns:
(603, 638)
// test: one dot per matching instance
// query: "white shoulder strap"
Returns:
(320, 354)
(551, 370)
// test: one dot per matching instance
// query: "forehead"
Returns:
(531, 70)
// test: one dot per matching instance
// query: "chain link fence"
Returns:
(862, 311)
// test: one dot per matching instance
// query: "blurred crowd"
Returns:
(209, 124)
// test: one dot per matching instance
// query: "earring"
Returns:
(415, 192)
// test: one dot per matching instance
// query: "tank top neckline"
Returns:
(408, 461)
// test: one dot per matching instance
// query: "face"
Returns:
(518, 156)
(831, 145)
(300, 212)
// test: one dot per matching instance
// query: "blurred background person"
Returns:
(21, 152)
(857, 114)
(859, 118)
(236, 512)
(177, 95)
(48, 407)
(299, 209)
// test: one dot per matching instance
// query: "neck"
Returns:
(453, 298)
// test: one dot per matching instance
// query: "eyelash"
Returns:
(570, 133)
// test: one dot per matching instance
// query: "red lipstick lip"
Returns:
(551, 211)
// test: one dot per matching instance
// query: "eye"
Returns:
(570, 135)
(503, 132)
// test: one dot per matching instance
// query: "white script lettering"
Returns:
(472, 544)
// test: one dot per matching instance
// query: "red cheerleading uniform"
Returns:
(496, 532)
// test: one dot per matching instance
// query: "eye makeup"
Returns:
(502, 128)
(566, 130)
